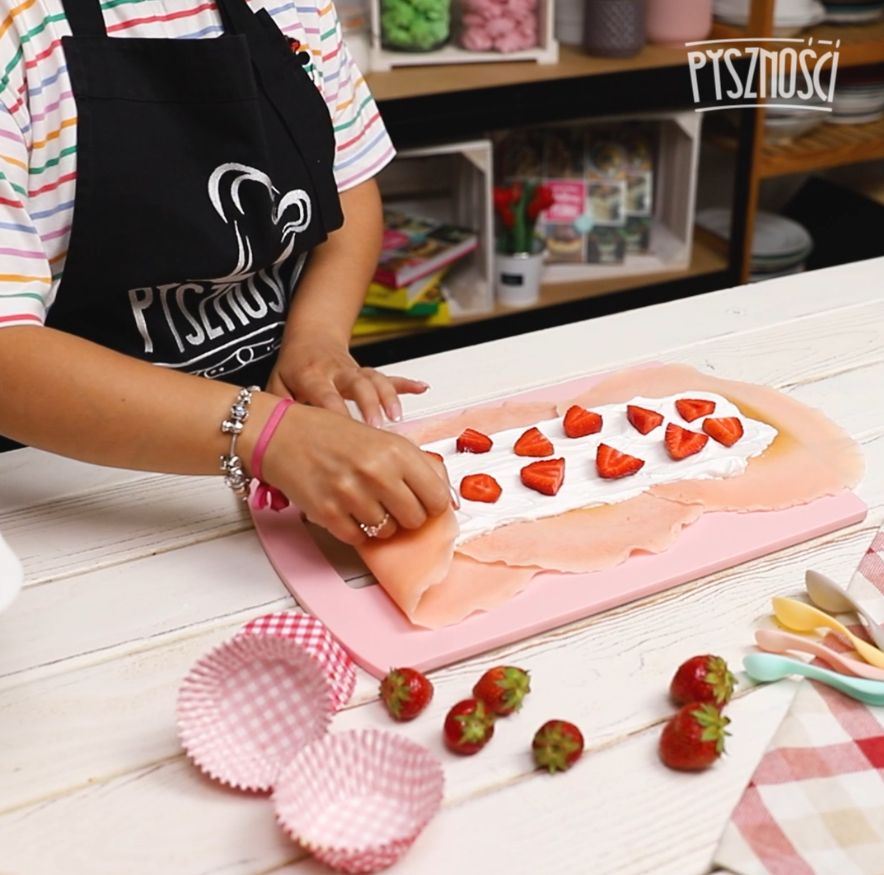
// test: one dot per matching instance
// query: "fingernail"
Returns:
(396, 411)
(375, 421)
(424, 386)
(455, 498)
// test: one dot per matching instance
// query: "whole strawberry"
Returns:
(703, 679)
(468, 727)
(694, 738)
(405, 692)
(557, 745)
(503, 688)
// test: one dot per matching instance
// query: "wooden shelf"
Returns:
(707, 258)
(860, 43)
(408, 82)
(827, 146)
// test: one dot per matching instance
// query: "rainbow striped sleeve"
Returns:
(25, 275)
(363, 145)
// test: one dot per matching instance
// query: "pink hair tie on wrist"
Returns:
(266, 495)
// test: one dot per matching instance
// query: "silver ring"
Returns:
(374, 531)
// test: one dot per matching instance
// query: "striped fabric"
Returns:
(815, 805)
(38, 132)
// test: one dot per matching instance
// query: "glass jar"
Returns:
(614, 28)
(415, 25)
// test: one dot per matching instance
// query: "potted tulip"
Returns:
(520, 251)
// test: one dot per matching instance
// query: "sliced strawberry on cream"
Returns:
(681, 443)
(726, 430)
(480, 487)
(690, 409)
(643, 420)
(545, 477)
(472, 441)
(580, 422)
(533, 443)
(611, 464)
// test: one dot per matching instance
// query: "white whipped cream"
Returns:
(583, 487)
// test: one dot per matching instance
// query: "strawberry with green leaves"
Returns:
(705, 678)
(468, 727)
(694, 738)
(557, 745)
(405, 692)
(503, 688)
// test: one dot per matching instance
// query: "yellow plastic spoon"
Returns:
(800, 617)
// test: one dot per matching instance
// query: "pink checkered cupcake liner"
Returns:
(246, 708)
(357, 800)
(314, 638)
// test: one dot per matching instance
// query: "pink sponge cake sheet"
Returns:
(811, 456)
(436, 582)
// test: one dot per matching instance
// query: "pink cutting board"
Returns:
(378, 636)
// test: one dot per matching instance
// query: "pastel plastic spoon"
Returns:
(765, 667)
(800, 617)
(775, 641)
(826, 594)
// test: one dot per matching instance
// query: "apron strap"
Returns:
(84, 17)
(236, 16)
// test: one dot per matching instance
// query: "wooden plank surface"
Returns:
(132, 577)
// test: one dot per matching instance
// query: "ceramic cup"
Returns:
(676, 22)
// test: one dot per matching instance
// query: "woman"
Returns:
(187, 192)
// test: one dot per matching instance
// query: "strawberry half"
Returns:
(642, 419)
(703, 679)
(612, 464)
(545, 477)
(579, 422)
(468, 727)
(533, 443)
(690, 409)
(472, 441)
(503, 688)
(694, 738)
(405, 692)
(557, 745)
(681, 443)
(727, 430)
(436, 456)
(480, 487)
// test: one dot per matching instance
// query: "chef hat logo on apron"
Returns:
(207, 158)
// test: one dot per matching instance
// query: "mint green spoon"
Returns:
(765, 667)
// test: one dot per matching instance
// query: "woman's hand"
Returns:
(342, 473)
(321, 372)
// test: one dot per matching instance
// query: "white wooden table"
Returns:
(131, 577)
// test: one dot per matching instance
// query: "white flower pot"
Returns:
(517, 277)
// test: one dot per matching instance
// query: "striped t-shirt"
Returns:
(38, 122)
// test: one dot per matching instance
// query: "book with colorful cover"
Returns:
(414, 248)
(404, 298)
(430, 311)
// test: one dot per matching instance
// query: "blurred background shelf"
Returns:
(827, 146)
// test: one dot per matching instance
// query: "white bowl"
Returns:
(11, 575)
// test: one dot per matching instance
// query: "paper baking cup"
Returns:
(313, 637)
(249, 706)
(358, 799)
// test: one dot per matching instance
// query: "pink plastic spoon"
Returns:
(775, 641)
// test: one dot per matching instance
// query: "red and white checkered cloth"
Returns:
(815, 805)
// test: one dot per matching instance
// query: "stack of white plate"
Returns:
(790, 16)
(853, 11)
(857, 102)
(779, 246)
(569, 22)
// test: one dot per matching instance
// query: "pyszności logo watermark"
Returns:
(785, 72)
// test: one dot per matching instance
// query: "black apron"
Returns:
(204, 176)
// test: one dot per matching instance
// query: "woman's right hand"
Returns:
(341, 473)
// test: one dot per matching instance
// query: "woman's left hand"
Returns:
(321, 372)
